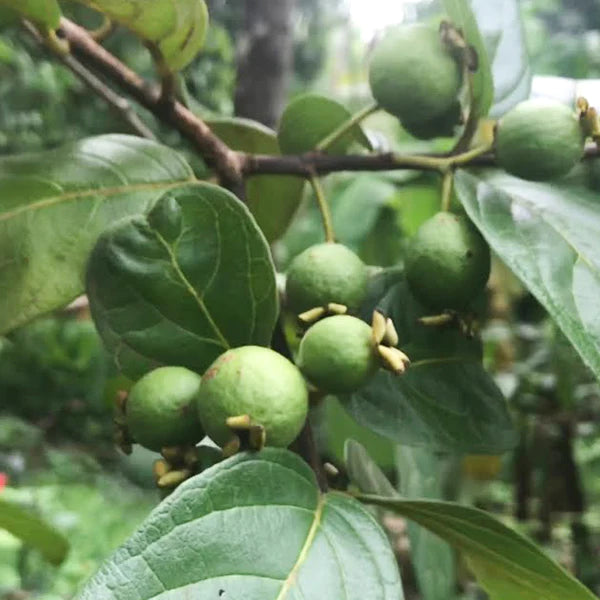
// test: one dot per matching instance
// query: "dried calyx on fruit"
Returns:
(340, 354)
(415, 76)
(326, 274)
(254, 393)
(539, 140)
(160, 409)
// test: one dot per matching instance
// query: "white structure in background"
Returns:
(566, 90)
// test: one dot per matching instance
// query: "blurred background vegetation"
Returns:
(57, 386)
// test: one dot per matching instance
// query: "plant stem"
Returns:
(447, 183)
(472, 119)
(323, 208)
(345, 127)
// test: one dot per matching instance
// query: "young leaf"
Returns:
(502, 30)
(462, 16)
(548, 235)
(309, 119)
(445, 401)
(43, 12)
(253, 527)
(177, 28)
(33, 532)
(55, 204)
(419, 474)
(506, 564)
(364, 472)
(272, 199)
(184, 283)
(422, 474)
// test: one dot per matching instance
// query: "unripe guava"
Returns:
(413, 75)
(440, 126)
(161, 408)
(447, 262)
(257, 382)
(539, 140)
(326, 273)
(338, 354)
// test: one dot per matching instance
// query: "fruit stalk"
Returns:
(323, 208)
(356, 118)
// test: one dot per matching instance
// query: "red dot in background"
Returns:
(3, 481)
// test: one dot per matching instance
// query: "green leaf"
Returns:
(364, 472)
(548, 235)
(462, 16)
(55, 204)
(445, 401)
(33, 531)
(422, 474)
(507, 565)
(272, 199)
(177, 28)
(184, 283)
(254, 527)
(309, 119)
(419, 474)
(502, 30)
(44, 12)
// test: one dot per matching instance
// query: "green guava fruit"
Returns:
(326, 273)
(413, 75)
(258, 382)
(161, 410)
(338, 354)
(539, 140)
(447, 262)
(441, 126)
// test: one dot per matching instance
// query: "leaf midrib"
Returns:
(102, 192)
(190, 288)
(312, 532)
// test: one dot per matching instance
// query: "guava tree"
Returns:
(184, 293)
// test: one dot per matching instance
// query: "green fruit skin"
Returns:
(447, 262)
(338, 355)
(161, 408)
(412, 75)
(326, 273)
(254, 381)
(440, 126)
(539, 140)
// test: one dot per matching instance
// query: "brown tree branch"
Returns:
(226, 162)
(120, 104)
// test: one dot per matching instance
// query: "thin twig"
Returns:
(226, 162)
(323, 208)
(120, 104)
(347, 126)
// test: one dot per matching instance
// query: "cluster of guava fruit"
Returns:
(251, 396)
(417, 75)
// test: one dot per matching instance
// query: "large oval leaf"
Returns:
(177, 28)
(506, 564)
(502, 30)
(184, 283)
(310, 118)
(445, 401)
(53, 206)
(462, 16)
(420, 474)
(33, 531)
(548, 235)
(272, 199)
(254, 528)
(43, 12)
